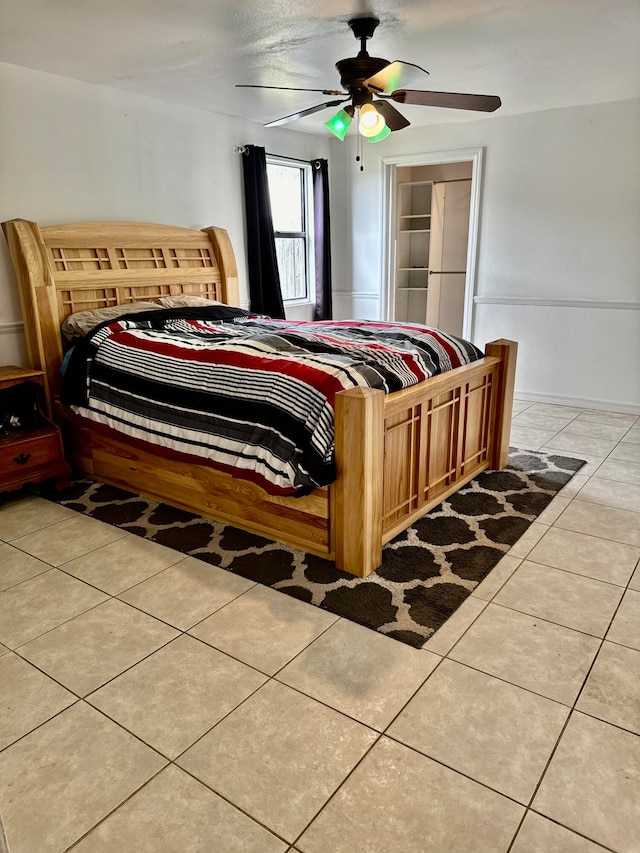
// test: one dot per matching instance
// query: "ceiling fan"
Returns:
(370, 86)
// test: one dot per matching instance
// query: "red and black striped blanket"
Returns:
(246, 394)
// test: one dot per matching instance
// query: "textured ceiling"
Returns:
(534, 54)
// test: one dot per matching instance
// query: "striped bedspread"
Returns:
(249, 395)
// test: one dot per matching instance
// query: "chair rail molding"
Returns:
(553, 302)
(13, 327)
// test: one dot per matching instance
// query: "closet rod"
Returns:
(452, 181)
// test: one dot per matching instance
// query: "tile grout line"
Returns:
(338, 788)
(113, 810)
(380, 734)
(602, 640)
(229, 802)
(40, 725)
(572, 711)
(578, 574)
(64, 622)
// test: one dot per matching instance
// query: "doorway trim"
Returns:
(433, 158)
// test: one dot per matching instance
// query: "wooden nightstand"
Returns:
(30, 444)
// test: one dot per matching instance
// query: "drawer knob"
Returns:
(22, 459)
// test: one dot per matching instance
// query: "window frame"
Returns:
(307, 235)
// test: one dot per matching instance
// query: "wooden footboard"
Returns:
(400, 455)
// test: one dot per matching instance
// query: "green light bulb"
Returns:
(380, 136)
(339, 124)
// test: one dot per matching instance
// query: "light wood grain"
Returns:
(507, 353)
(359, 441)
(209, 492)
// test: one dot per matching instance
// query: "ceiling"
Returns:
(534, 54)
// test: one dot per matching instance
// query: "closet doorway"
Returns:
(431, 210)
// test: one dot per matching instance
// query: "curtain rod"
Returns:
(242, 149)
(295, 159)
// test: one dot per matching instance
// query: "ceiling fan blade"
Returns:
(394, 119)
(303, 113)
(288, 88)
(389, 78)
(453, 100)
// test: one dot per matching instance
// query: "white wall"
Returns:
(73, 151)
(560, 217)
(559, 227)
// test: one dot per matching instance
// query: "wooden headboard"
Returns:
(62, 269)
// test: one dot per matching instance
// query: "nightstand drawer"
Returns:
(23, 454)
(30, 444)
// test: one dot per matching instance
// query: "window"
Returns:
(290, 190)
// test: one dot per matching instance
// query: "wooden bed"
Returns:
(397, 455)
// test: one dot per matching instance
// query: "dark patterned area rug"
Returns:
(426, 573)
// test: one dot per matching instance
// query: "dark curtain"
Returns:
(324, 308)
(264, 279)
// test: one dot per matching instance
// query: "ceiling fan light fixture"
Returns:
(339, 124)
(386, 131)
(364, 80)
(371, 122)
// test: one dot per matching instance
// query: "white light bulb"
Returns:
(369, 118)
(371, 122)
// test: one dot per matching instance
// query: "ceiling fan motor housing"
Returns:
(354, 71)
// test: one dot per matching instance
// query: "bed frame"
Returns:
(397, 455)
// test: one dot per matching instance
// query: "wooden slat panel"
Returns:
(450, 447)
(476, 426)
(407, 521)
(85, 298)
(443, 433)
(63, 260)
(401, 460)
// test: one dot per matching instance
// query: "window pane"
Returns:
(291, 263)
(285, 189)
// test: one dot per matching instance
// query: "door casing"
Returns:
(434, 158)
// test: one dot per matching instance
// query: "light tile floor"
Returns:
(150, 702)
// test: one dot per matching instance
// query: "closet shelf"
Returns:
(429, 283)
